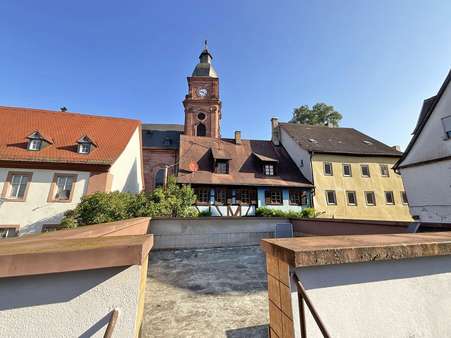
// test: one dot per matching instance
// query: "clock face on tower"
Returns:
(202, 92)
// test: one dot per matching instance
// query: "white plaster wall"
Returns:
(127, 169)
(299, 155)
(431, 144)
(71, 304)
(36, 211)
(406, 298)
(428, 189)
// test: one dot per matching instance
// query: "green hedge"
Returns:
(174, 201)
(274, 212)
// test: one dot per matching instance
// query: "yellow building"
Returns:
(352, 172)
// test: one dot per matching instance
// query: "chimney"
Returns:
(398, 148)
(237, 137)
(275, 131)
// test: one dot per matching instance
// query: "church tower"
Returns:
(202, 104)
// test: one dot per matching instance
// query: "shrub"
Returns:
(274, 212)
(174, 201)
(204, 213)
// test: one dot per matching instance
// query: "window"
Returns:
(273, 197)
(84, 148)
(222, 167)
(384, 170)
(201, 116)
(243, 196)
(62, 188)
(246, 196)
(370, 198)
(328, 169)
(201, 130)
(347, 170)
(404, 197)
(352, 197)
(298, 197)
(16, 186)
(8, 231)
(50, 227)
(221, 196)
(167, 141)
(203, 195)
(446, 121)
(160, 178)
(389, 198)
(34, 144)
(365, 170)
(331, 198)
(268, 169)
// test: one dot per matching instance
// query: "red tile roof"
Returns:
(110, 134)
(245, 168)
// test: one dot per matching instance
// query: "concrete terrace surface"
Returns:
(218, 292)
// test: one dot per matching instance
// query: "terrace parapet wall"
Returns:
(357, 283)
(93, 277)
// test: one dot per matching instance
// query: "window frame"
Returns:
(405, 200)
(7, 186)
(331, 169)
(361, 170)
(353, 192)
(10, 227)
(84, 144)
(392, 196)
(50, 227)
(302, 195)
(447, 132)
(374, 198)
(272, 171)
(252, 193)
(272, 201)
(222, 162)
(208, 194)
(327, 197)
(224, 192)
(350, 169)
(54, 188)
(155, 177)
(384, 166)
(31, 141)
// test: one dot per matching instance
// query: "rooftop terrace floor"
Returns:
(206, 293)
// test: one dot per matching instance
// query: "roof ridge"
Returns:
(314, 125)
(48, 111)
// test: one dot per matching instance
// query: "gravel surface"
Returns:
(206, 293)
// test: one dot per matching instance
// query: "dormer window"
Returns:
(268, 169)
(268, 164)
(84, 145)
(220, 160)
(34, 145)
(84, 148)
(37, 142)
(222, 167)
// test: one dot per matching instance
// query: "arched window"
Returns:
(159, 178)
(201, 130)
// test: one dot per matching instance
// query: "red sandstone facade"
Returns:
(155, 160)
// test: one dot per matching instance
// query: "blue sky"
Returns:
(375, 61)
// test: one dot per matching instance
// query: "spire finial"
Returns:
(205, 43)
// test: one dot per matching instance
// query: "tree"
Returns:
(320, 114)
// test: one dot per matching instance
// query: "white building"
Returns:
(426, 164)
(50, 160)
